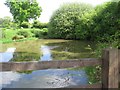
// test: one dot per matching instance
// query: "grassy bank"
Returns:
(18, 35)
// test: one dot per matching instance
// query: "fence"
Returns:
(110, 62)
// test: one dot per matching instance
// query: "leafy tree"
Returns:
(101, 23)
(64, 21)
(24, 10)
(5, 22)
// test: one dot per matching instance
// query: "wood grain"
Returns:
(22, 66)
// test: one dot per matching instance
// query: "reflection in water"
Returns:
(50, 78)
(25, 56)
(8, 55)
(8, 78)
(46, 53)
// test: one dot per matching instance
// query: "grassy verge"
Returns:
(28, 34)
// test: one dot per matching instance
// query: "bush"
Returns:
(115, 40)
(37, 33)
(64, 21)
(37, 24)
(5, 22)
(9, 33)
(40, 33)
(24, 33)
(25, 24)
(101, 23)
(44, 31)
(14, 25)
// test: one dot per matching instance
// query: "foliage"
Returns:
(44, 31)
(100, 23)
(25, 24)
(8, 34)
(40, 33)
(23, 56)
(94, 74)
(14, 25)
(38, 24)
(64, 21)
(24, 10)
(6, 22)
(114, 42)
(24, 33)
(2, 35)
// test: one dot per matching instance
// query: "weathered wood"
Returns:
(22, 66)
(119, 65)
(110, 72)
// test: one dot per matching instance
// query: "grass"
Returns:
(32, 33)
(10, 33)
(94, 74)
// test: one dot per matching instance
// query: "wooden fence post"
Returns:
(119, 65)
(110, 68)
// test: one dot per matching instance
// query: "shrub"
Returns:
(43, 25)
(24, 33)
(9, 33)
(64, 21)
(37, 33)
(40, 33)
(115, 41)
(14, 25)
(37, 24)
(101, 23)
(25, 24)
(44, 31)
(5, 22)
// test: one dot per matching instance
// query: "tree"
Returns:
(64, 21)
(101, 23)
(24, 10)
(5, 22)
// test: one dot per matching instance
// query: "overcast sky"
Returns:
(48, 7)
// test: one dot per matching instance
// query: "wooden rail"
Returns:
(22, 66)
(110, 62)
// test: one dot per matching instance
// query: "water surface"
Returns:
(45, 50)
(60, 49)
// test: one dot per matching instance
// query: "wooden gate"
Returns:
(110, 62)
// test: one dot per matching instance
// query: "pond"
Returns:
(44, 50)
